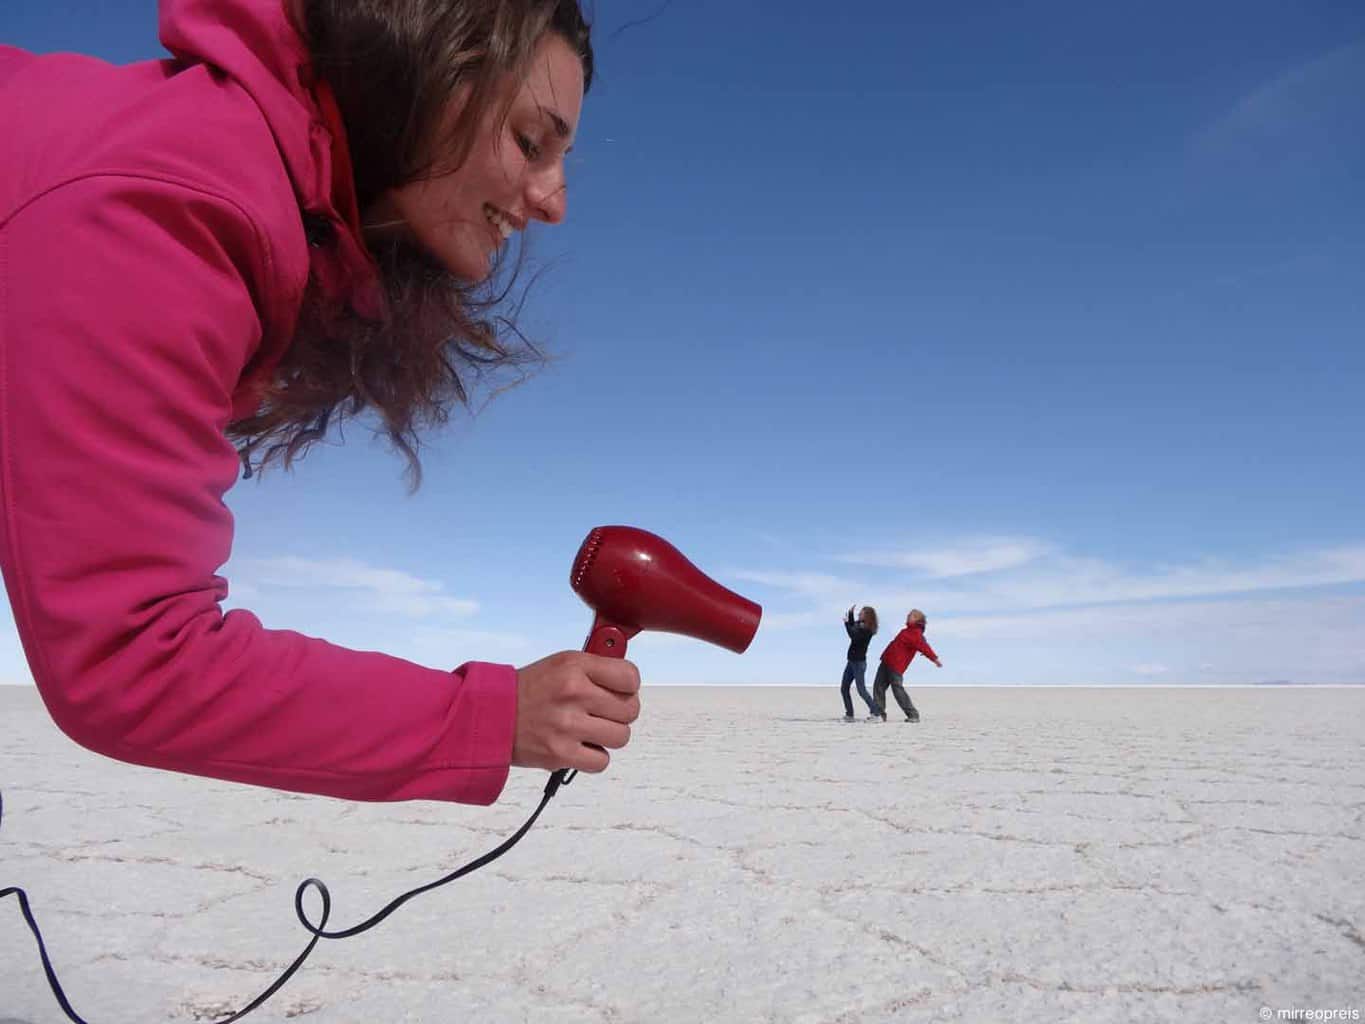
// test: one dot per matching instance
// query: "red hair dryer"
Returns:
(634, 580)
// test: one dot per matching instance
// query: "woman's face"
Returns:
(514, 173)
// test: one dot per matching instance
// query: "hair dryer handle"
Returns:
(607, 638)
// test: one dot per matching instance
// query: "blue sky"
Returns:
(1048, 319)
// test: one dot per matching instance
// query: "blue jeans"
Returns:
(855, 670)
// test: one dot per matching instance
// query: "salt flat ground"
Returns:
(1052, 854)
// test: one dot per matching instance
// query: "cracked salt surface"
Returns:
(1059, 854)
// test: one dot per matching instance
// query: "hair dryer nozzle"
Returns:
(636, 580)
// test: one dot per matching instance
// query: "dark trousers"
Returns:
(885, 678)
(855, 671)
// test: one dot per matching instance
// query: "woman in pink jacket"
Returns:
(204, 263)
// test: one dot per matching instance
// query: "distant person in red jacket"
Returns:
(895, 659)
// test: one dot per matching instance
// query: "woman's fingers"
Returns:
(613, 706)
(573, 707)
(604, 733)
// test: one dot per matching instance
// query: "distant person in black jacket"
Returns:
(860, 631)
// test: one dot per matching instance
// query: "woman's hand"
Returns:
(571, 708)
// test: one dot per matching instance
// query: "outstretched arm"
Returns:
(922, 645)
(127, 314)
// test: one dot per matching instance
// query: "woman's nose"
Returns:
(549, 197)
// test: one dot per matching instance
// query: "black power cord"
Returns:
(562, 777)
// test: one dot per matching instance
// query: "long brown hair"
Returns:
(394, 66)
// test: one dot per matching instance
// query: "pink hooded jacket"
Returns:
(152, 264)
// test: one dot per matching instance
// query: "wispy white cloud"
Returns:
(771, 539)
(367, 607)
(1306, 638)
(1057, 618)
(991, 554)
(449, 647)
(809, 584)
(346, 600)
(795, 620)
(1051, 579)
(1308, 101)
(388, 591)
(1151, 669)
(1090, 581)
(1310, 637)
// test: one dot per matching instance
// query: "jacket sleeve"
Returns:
(849, 627)
(128, 308)
(922, 645)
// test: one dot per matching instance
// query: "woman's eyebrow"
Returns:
(560, 125)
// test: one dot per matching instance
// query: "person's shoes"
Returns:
(913, 717)
(874, 717)
(848, 718)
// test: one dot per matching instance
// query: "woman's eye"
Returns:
(528, 148)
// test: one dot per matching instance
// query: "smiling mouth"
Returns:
(500, 221)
